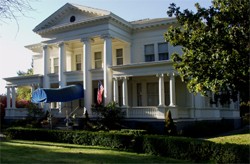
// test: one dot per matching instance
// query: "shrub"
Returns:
(170, 127)
(109, 116)
(196, 150)
(113, 140)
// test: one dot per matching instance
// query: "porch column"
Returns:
(8, 97)
(125, 92)
(161, 90)
(13, 92)
(33, 86)
(87, 77)
(46, 66)
(107, 72)
(172, 89)
(115, 89)
(62, 64)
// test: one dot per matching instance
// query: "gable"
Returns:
(70, 13)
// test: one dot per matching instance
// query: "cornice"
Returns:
(142, 64)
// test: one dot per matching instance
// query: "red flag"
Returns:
(99, 92)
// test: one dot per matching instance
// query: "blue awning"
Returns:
(68, 93)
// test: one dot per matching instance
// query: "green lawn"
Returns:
(19, 151)
(242, 138)
(234, 139)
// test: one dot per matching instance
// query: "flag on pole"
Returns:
(99, 92)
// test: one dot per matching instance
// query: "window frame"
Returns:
(165, 54)
(78, 63)
(99, 60)
(149, 56)
(56, 66)
(119, 57)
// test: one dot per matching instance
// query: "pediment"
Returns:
(70, 13)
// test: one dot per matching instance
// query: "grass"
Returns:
(233, 139)
(19, 151)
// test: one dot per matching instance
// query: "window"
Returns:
(149, 53)
(78, 62)
(98, 59)
(163, 51)
(119, 56)
(56, 65)
(152, 94)
(72, 19)
(50, 68)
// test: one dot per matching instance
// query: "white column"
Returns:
(125, 92)
(172, 90)
(107, 72)
(115, 89)
(87, 77)
(46, 83)
(62, 65)
(13, 92)
(33, 87)
(161, 90)
(8, 97)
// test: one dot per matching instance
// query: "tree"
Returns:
(24, 93)
(12, 9)
(216, 47)
(170, 127)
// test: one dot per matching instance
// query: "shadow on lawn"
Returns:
(33, 152)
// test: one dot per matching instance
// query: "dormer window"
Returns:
(72, 19)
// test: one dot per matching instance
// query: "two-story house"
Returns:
(132, 60)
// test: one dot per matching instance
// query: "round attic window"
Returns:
(72, 19)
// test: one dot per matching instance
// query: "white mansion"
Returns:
(131, 59)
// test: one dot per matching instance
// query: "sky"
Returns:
(14, 56)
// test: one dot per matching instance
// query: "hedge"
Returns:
(195, 150)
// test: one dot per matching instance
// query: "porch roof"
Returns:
(143, 68)
(24, 80)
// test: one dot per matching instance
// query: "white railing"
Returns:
(146, 112)
(16, 112)
(142, 112)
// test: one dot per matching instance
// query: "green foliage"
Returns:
(196, 150)
(110, 115)
(113, 140)
(216, 47)
(24, 92)
(34, 110)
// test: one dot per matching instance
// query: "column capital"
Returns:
(115, 78)
(45, 46)
(106, 36)
(10, 86)
(171, 74)
(160, 75)
(124, 78)
(86, 39)
(60, 44)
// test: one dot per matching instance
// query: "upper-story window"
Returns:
(78, 62)
(149, 52)
(119, 56)
(98, 59)
(163, 51)
(56, 65)
(50, 68)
